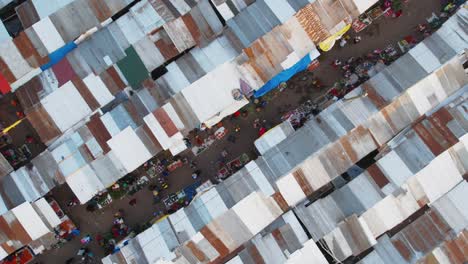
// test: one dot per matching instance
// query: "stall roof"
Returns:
(4, 35)
(47, 212)
(30, 220)
(84, 183)
(308, 253)
(66, 106)
(273, 137)
(48, 34)
(133, 68)
(47, 8)
(129, 149)
(211, 103)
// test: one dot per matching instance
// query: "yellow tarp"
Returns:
(327, 44)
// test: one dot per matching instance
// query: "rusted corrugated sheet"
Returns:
(192, 27)
(375, 97)
(421, 236)
(85, 93)
(152, 137)
(165, 121)
(112, 80)
(457, 249)
(312, 24)
(63, 71)
(280, 239)
(27, 14)
(116, 77)
(428, 139)
(377, 175)
(6, 72)
(28, 51)
(302, 181)
(440, 119)
(179, 34)
(164, 44)
(214, 241)
(28, 93)
(14, 230)
(100, 9)
(196, 252)
(42, 123)
(255, 254)
(279, 199)
(99, 131)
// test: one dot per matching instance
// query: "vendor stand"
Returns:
(22, 256)
(174, 165)
(233, 166)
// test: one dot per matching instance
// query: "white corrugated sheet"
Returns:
(425, 57)
(66, 106)
(363, 5)
(48, 34)
(257, 211)
(99, 90)
(439, 177)
(153, 244)
(13, 58)
(130, 28)
(309, 253)
(171, 112)
(45, 210)
(129, 149)
(3, 33)
(30, 220)
(181, 223)
(454, 207)
(46, 8)
(290, 189)
(146, 16)
(259, 178)
(273, 137)
(282, 9)
(158, 131)
(84, 183)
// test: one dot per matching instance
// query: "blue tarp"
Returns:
(58, 55)
(283, 76)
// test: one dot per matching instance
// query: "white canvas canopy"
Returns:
(211, 97)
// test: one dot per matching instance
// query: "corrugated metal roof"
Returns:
(97, 58)
(73, 20)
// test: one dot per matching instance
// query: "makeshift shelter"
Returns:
(129, 149)
(210, 101)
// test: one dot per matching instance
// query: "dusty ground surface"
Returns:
(18, 134)
(383, 32)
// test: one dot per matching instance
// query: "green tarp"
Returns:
(133, 68)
